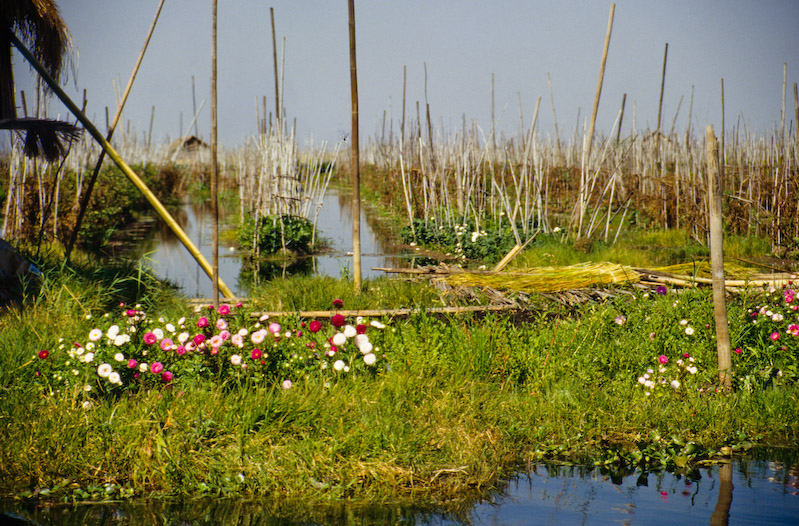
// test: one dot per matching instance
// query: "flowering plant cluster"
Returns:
(769, 341)
(670, 375)
(131, 350)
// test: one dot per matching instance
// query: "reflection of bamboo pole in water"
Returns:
(721, 515)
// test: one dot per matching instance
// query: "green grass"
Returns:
(466, 399)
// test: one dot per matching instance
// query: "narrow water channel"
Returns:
(741, 493)
(169, 259)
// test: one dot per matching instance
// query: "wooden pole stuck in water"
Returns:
(355, 161)
(717, 260)
(129, 173)
(214, 166)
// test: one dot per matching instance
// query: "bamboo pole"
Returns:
(135, 179)
(214, 166)
(355, 162)
(84, 202)
(717, 260)
(662, 86)
(274, 59)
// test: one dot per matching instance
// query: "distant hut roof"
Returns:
(190, 143)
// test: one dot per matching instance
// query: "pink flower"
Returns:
(132, 363)
(314, 326)
(774, 336)
(131, 313)
(239, 304)
(287, 384)
(198, 339)
(221, 324)
(738, 350)
(274, 328)
(225, 335)
(337, 303)
(256, 354)
(224, 310)
(166, 344)
(150, 338)
(181, 350)
(620, 320)
(43, 354)
(202, 322)
(166, 377)
(338, 321)
(216, 341)
(685, 355)
(156, 367)
(793, 329)
(663, 359)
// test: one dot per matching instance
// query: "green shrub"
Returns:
(274, 234)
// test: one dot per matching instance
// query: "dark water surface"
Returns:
(169, 258)
(742, 493)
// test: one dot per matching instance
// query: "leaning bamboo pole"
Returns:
(135, 179)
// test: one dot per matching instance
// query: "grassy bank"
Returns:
(453, 404)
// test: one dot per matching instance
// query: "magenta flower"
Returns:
(256, 354)
(225, 335)
(166, 344)
(793, 329)
(239, 304)
(224, 310)
(738, 350)
(338, 321)
(662, 290)
(181, 350)
(202, 322)
(156, 367)
(198, 339)
(314, 326)
(131, 313)
(43, 354)
(132, 363)
(166, 377)
(337, 303)
(774, 336)
(663, 359)
(150, 338)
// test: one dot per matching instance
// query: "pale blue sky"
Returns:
(463, 42)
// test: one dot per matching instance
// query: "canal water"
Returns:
(741, 493)
(169, 259)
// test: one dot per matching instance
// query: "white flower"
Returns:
(366, 347)
(87, 404)
(675, 384)
(95, 334)
(88, 357)
(377, 325)
(237, 340)
(349, 331)
(286, 384)
(159, 333)
(112, 332)
(641, 380)
(339, 339)
(243, 332)
(338, 365)
(183, 336)
(121, 340)
(691, 369)
(104, 370)
(263, 317)
(235, 359)
(119, 357)
(683, 322)
(114, 378)
(89, 347)
(143, 367)
(689, 330)
(287, 334)
(777, 317)
(258, 336)
(170, 328)
(181, 321)
(369, 359)
(346, 368)
(87, 388)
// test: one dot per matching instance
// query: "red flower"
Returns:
(166, 377)
(314, 326)
(337, 303)
(43, 354)
(256, 354)
(360, 328)
(338, 321)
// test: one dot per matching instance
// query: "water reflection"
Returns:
(765, 493)
(170, 260)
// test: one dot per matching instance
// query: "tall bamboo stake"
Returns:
(355, 163)
(274, 59)
(662, 85)
(84, 203)
(214, 167)
(587, 151)
(129, 173)
(717, 260)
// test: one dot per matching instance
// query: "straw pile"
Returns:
(547, 279)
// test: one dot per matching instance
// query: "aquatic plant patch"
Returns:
(130, 350)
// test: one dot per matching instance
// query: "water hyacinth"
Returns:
(152, 351)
